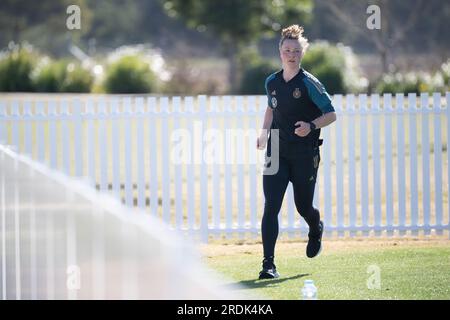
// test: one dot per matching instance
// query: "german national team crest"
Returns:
(274, 102)
(297, 93)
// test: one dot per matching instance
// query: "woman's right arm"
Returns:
(262, 139)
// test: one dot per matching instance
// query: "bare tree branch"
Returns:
(347, 18)
(402, 29)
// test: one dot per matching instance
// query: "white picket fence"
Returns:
(384, 163)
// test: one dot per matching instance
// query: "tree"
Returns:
(398, 20)
(114, 23)
(238, 23)
(44, 20)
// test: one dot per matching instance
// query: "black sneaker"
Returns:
(269, 270)
(314, 246)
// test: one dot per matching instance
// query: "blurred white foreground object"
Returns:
(61, 239)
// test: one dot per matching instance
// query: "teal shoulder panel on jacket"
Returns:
(317, 93)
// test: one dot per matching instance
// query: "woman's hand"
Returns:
(303, 130)
(261, 141)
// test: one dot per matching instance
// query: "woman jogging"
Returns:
(298, 106)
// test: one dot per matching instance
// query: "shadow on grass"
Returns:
(256, 283)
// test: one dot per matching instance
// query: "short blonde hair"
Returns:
(294, 32)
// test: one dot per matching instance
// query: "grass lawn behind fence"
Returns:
(409, 269)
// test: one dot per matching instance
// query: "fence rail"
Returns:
(192, 161)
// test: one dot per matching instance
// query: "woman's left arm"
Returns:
(325, 119)
(304, 128)
(322, 100)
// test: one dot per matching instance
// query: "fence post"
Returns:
(216, 181)
(66, 156)
(166, 178)
(78, 126)
(338, 103)
(327, 180)
(387, 108)
(202, 100)
(190, 170)
(364, 164)
(28, 135)
(448, 157)
(351, 164)
(437, 160)
(128, 182)
(425, 143)
(139, 152)
(228, 169)
(376, 146)
(3, 127)
(91, 142)
(103, 143)
(15, 117)
(52, 143)
(177, 115)
(152, 141)
(239, 166)
(41, 119)
(401, 173)
(3, 199)
(412, 110)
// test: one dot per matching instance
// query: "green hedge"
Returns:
(331, 77)
(16, 67)
(77, 79)
(130, 74)
(62, 76)
(255, 75)
(49, 77)
(336, 66)
(22, 69)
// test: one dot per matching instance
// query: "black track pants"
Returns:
(300, 168)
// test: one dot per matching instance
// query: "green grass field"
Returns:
(409, 269)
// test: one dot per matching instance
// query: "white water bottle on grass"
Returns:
(309, 290)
